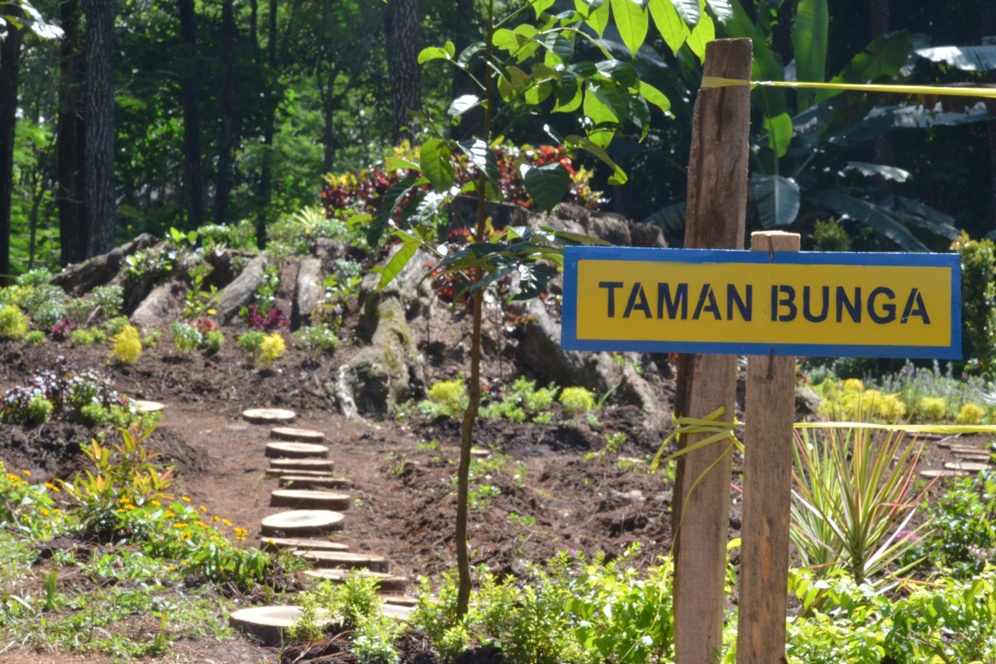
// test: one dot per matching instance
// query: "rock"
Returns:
(612, 228)
(807, 404)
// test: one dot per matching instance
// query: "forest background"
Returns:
(119, 117)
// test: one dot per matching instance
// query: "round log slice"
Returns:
(143, 406)
(344, 560)
(269, 415)
(386, 582)
(296, 435)
(296, 450)
(300, 543)
(301, 523)
(304, 464)
(281, 472)
(400, 600)
(304, 499)
(267, 623)
(396, 611)
(310, 482)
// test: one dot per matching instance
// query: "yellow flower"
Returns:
(27, 472)
(201, 524)
(51, 487)
(226, 522)
(185, 499)
(216, 518)
(179, 525)
(156, 503)
(204, 509)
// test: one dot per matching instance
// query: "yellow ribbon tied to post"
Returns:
(927, 90)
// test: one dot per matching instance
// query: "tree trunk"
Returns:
(71, 194)
(224, 180)
(193, 175)
(462, 83)
(253, 27)
(10, 68)
(401, 28)
(101, 214)
(266, 170)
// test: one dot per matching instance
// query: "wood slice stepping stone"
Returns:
(304, 464)
(968, 466)
(973, 456)
(301, 523)
(931, 473)
(344, 560)
(267, 623)
(285, 450)
(479, 453)
(396, 611)
(142, 406)
(972, 449)
(300, 543)
(400, 600)
(269, 415)
(310, 482)
(386, 582)
(280, 472)
(295, 435)
(310, 500)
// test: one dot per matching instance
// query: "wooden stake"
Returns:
(764, 554)
(717, 199)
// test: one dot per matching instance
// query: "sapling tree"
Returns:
(531, 61)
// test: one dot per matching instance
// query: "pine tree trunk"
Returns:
(70, 139)
(266, 170)
(101, 213)
(224, 181)
(462, 83)
(401, 28)
(10, 68)
(193, 176)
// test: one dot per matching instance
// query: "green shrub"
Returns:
(186, 337)
(40, 409)
(932, 409)
(114, 326)
(830, 236)
(151, 339)
(317, 339)
(214, 340)
(78, 309)
(447, 398)
(575, 400)
(81, 337)
(271, 348)
(35, 337)
(13, 323)
(110, 299)
(250, 343)
(99, 336)
(978, 298)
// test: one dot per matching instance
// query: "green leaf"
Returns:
(869, 170)
(671, 26)
(598, 18)
(869, 214)
(547, 185)
(482, 157)
(400, 164)
(884, 57)
(779, 130)
(392, 198)
(613, 96)
(505, 40)
(559, 45)
(965, 58)
(537, 94)
(541, 6)
(573, 141)
(568, 94)
(631, 20)
(809, 42)
(437, 163)
(721, 8)
(436, 53)
(703, 33)
(462, 104)
(596, 109)
(398, 262)
(688, 10)
(621, 72)
(777, 199)
(655, 96)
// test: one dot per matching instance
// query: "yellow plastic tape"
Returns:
(941, 429)
(985, 93)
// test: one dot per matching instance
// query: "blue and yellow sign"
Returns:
(750, 302)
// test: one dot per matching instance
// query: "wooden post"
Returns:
(764, 554)
(717, 200)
